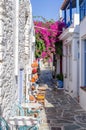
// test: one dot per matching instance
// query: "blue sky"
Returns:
(46, 8)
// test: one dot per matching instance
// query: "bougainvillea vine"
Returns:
(47, 34)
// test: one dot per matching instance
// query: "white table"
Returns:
(31, 105)
(17, 121)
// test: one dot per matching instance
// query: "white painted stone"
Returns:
(70, 38)
(8, 85)
(82, 98)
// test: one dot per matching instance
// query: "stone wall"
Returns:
(21, 34)
(26, 31)
(7, 76)
(25, 38)
(8, 81)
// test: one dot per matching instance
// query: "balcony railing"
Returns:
(71, 7)
(83, 10)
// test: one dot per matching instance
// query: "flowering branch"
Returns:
(47, 34)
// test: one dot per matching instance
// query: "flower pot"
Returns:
(32, 80)
(32, 87)
(60, 83)
(34, 71)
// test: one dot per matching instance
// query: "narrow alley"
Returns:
(42, 65)
(61, 112)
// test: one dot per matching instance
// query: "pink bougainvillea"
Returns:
(46, 37)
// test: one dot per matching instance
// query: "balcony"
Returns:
(82, 10)
(69, 9)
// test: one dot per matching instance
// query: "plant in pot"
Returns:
(60, 80)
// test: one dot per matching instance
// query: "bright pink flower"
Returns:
(48, 32)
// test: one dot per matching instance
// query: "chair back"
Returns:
(35, 127)
(21, 110)
(3, 124)
(17, 110)
(25, 100)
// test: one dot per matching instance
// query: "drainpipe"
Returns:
(16, 36)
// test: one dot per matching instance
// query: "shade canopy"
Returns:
(66, 4)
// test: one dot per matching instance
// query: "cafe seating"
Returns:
(3, 124)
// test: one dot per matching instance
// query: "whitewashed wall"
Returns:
(72, 79)
(82, 64)
(70, 37)
(82, 28)
(82, 38)
(7, 77)
(29, 43)
(15, 32)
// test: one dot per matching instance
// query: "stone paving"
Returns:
(61, 112)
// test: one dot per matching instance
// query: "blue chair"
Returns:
(25, 100)
(35, 127)
(20, 109)
(29, 111)
(17, 110)
(3, 124)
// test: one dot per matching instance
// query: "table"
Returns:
(42, 88)
(31, 105)
(18, 121)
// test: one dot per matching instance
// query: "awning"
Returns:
(66, 2)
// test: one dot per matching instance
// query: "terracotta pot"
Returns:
(33, 79)
(34, 71)
(36, 76)
(33, 87)
(34, 64)
(31, 98)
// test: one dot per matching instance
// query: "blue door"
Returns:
(21, 80)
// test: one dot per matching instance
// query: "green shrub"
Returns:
(59, 77)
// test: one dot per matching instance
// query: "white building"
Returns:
(83, 54)
(74, 51)
(70, 38)
(17, 44)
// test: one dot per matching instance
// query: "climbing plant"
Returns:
(58, 48)
(47, 38)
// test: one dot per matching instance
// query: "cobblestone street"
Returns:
(61, 112)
